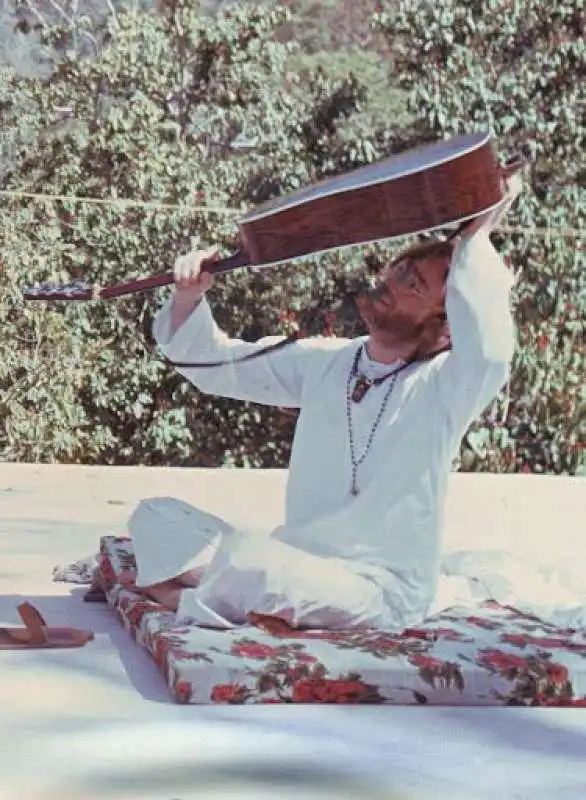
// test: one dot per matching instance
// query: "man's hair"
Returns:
(431, 248)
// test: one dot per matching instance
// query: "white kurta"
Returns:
(390, 533)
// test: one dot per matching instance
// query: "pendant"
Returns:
(354, 491)
(361, 387)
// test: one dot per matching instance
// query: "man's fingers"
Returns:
(182, 271)
(490, 219)
(178, 271)
(514, 186)
(208, 257)
(190, 270)
(206, 278)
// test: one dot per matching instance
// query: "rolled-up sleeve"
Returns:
(478, 307)
(276, 379)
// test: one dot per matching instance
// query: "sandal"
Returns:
(95, 594)
(36, 634)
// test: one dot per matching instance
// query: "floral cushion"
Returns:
(496, 656)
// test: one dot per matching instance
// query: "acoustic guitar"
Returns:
(425, 188)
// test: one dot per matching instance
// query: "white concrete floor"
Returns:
(90, 722)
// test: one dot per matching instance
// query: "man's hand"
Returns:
(512, 187)
(191, 279)
(191, 284)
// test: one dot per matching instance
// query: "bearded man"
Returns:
(381, 420)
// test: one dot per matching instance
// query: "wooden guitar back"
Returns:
(419, 190)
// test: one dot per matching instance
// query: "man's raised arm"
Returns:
(186, 331)
(480, 320)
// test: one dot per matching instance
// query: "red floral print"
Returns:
(183, 691)
(140, 608)
(501, 662)
(380, 641)
(330, 691)
(107, 572)
(229, 693)
(557, 674)
(161, 652)
(253, 650)
(519, 640)
(542, 342)
(544, 642)
(449, 634)
(419, 633)
(481, 622)
(496, 654)
(427, 662)
(305, 658)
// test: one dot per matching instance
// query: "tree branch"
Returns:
(31, 6)
(113, 12)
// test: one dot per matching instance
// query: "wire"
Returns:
(124, 203)
(226, 210)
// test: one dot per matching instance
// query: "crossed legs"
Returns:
(168, 592)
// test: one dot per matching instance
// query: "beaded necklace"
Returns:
(356, 395)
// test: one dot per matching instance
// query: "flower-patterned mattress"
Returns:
(495, 656)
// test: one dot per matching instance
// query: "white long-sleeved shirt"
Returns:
(390, 531)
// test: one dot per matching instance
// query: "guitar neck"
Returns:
(236, 261)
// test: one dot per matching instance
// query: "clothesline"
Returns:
(226, 210)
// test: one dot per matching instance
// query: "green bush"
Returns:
(150, 113)
(152, 119)
(513, 68)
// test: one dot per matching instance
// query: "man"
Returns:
(381, 420)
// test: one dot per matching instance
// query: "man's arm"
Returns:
(275, 379)
(480, 321)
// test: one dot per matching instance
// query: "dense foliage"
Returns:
(514, 68)
(158, 118)
(179, 120)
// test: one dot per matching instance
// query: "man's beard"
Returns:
(392, 326)
(386, 318)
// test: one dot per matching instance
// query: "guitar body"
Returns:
(419, 190)
(422, 189)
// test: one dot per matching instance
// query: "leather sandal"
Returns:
(95, 594)
(37, 635)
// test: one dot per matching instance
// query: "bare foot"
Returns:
(167, 593)
(273, 625)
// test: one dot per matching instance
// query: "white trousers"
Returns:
(237, 572)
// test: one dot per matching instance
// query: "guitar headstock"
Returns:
(78, 290)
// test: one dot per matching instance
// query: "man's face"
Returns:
(409, 294)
